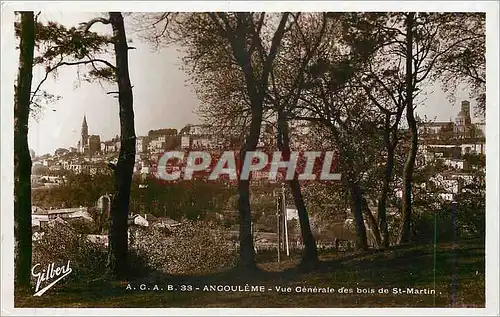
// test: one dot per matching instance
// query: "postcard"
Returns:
(235, 158)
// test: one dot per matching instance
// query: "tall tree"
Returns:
(287, 84)
(238, 32)
(426, 40)
(79, 47)
(412, 123)
(118, 238)
(221, 85)
(382, 81)
(242, 47)
(124, 168)
(54, 46)
(345, 119)
(22, 159)
(58, 46)
(421, 42)
(310, 253)
(333, 101)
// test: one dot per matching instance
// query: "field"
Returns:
(456, 273)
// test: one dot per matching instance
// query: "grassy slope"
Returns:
(399, 267)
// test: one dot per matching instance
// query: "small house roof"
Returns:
(35, 210)
(65, 210)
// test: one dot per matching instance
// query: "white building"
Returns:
(203, 143)
(140, 144)
(138, 220)
(451, 183)
(455, 163)
(39, 217)
(473, 148)
(185, 141)
(69, 213)
(75, 168)
(156, 144)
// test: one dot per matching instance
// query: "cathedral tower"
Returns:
(85, 131)
(85, 134)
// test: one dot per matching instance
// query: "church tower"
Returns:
(463, 120)
(85, 133)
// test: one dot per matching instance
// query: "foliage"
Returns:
(154, 133)
(328, 202)
(468, 221)
(191, 248)
(465, 63)
(433, 213)
(190, 200)
(185, 199)
(82, 226)
(60, 244)
(57, 45)
(78, 190)
(343, 71)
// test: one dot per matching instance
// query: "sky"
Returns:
(162, 96)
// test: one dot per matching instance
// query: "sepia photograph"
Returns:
(250, 158)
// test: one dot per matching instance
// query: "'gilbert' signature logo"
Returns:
(47, 275)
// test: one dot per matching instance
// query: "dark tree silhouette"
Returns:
(22, 158)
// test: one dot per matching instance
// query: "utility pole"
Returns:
(278, 222)
(281, 222)
(285, 220)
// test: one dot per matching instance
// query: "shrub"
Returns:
(469, 222)
(61, 243)
(191, 248)
(83, 226)
(433, 222)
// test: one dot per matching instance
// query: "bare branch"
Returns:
(35, 92)
(436, 57)
(87, 62)
(87, 25)
(61, 63)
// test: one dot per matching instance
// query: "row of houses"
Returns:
(149, 148)
(40, 218)
(225, 138)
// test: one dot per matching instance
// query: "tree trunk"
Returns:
(382, 202)
(118, 239)
(247, 251)
(404, 235)
(357, 212)
(22, 158)
(256, 90)
(389, 166)
(310, 253)
(372, 222)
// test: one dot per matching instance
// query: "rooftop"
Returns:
(65, 210)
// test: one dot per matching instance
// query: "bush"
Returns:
(469, 222)
(61, 243)
(83, 226)
(433, 222)
(191, 248)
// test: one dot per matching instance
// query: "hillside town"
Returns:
(446, 143)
